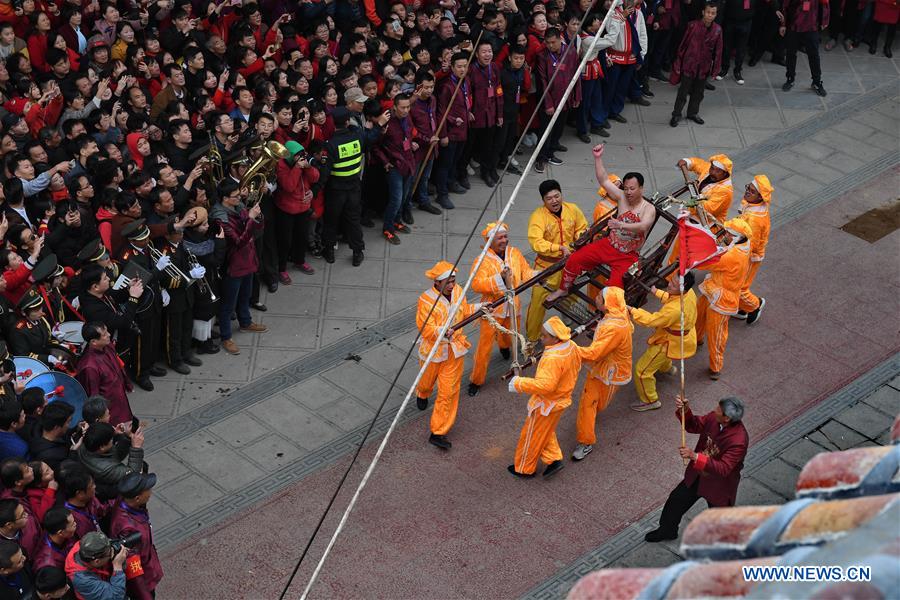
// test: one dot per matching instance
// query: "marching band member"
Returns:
(97, 305)
(755, 210)
(610, 358)
(178, 316)
(504, 268)
(552, 229)
(664, 344)
(446, 367)
(551, 393)
(31, 336)
(714, 183)
(721, 293)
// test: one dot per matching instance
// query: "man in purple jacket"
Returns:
(395, 153)
(801, 22)
(699, 57)
(130, 516)
(554, 59)
(487, 110)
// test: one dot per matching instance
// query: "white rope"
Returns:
(455, 307)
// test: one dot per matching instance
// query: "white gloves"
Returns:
(163, 262)
(165, 298)
(53, 360)
(198, 272)
(512, 384)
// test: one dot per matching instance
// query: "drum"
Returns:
(27, 368)
(69, 332)
(59, 386)
(68, 359)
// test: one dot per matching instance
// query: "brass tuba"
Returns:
(258, 174)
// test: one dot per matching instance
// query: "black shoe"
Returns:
(144, 383)
(258, 306)
(464, 181)
(272, 287)
(328, 254)
(358, 257)
(657, 75)
(440, 441)
(181, 368)
(605, 124)
(455, 188)
(753, 317)
(445, 202)
(366, 221)
(779, 60)
(193, 361)
(753, 61)
(512, 469)
(408, 217)
(487, 179)
(208, 347)
(430, 208)
(560, 148)
(473, 389)
(888, 52)
(646, 93)
(658, 535)
(618, 118)
(820, 89)
(554, 467)
(156, 371)
(710, 86)
(555, 160)
(504, 352)
(540, 165)
(696, 119)
(421, 403)
(872, 49)
(511, 168)
(584, 138)
(787, 85)
(495, 176)
(597, 130)
(640, 101)
(674, 120)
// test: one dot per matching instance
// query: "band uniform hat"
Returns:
(555, 327)
(94, 545)
(94, 251)
(29, 300)
(136, 230)
(47, 269)
(134, 483)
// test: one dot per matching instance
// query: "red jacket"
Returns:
(395, 146)
(425, 117)
(806, 15)
(17, 282)
(51, 555)
(887, 11)
(720, 457)
(462, 103)
(101, 373)
(546, 64)
(700, 52)
(487, 94)
(293, 183)
(125, 521)
(239, 229)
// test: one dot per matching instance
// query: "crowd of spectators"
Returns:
(127, 130)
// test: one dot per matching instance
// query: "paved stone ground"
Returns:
(241, 429)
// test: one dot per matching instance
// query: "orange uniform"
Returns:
(758, 216)
(551, 393)
(489, 283)
(717, 195)
(721, 292)
(610, 358)
(446, 368)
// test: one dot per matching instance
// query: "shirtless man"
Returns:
(627, 231)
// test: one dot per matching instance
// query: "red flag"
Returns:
(697, 245)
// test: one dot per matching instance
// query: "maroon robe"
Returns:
(395, 146)
(459, 109)
(29, 536)
(487, 103)
(51, 555)
(670, 19)
(720, 457)
(806, 15)
(424, 116)
(125, 521)
(87, 519)
(700, 53)
(548, 62)
(101, 373)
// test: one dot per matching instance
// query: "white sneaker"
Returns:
(641, 407)
(581, 450)
(718, 78)
(739, 80)
(470, 171)
(514, 162)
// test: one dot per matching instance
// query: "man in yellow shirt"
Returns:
(714, 183)
(446, 367)
(551, 393)
(721, 293)
(552, 229)
(610, 358)
(755, 210)
(502, 269)
(665, 345)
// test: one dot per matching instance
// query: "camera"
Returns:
(129, 541)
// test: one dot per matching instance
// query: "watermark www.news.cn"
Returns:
(804, 573)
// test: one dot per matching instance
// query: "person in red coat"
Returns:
(293, 199)
(554, 58)
(699, 57)
(101, 372)
(714, 471)
(128, 517)
(425, 117)
(887, 13)
(801, 22)
(395, 153)
(487, 110)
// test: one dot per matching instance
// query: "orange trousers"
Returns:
(486, 337)
(714, 326)
(749, 300)
(538, 440)
(595, 397)
(447, 375)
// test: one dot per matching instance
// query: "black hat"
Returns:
(136, 230)
(47, 269)
(135, 483)
(93, 252)
(29, 300)
(340, 115)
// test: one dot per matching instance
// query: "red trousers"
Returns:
(596, 253)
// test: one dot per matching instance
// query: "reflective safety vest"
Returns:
(348, 161)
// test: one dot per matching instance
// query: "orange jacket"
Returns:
(757, 216)
(610, 351)
(717, 195)
(722, 287)
(553, 382)
(489, 283)
(459, 343)
(667, 321)
(548, 233)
